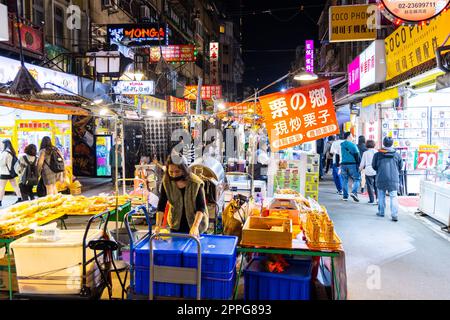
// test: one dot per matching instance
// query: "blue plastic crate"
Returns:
(214, 286)
(218, 253)
(218, 266)
(292, 284)
(166, 252)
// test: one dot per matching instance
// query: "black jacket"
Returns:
(388, 165)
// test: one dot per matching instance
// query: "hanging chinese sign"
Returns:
(353, 23)
(409, 47)
(137, 35)
(299, 115)
(309, 56)
(174, 53)
(135, 87)
(412, 11)
(179, 106)
(208, 92)
(214, 60)
(150, 103)
(244, 108)
(368, 68)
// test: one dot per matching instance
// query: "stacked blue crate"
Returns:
(218, 266)
(292, 284)
(166, 252)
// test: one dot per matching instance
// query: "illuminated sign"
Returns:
(179, 106)
(135, 87)
(412, 11)
(137, 35)
(173, 53)
(368, 68)
(309, 56)
(208, 92)
(214, 60)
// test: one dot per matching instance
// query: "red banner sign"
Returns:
(208, 92)
(174, 53)
(180, 106)
(299, 115)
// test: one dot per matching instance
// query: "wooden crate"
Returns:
(257, 232)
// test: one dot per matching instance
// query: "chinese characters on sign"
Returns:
(180, 106)
(208, 92)
(150, 103)
(409, 47)
(244, 108)
(414, 10)
(135, 87)
(353, 23)
(368, 68)
(299, 115)
(309, 56)
(174, 53)
(214, 60)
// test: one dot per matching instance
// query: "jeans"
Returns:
(321, 165)
(329, 163)
(371, 188)
(382, 202)
(350, 171)
(337, 178)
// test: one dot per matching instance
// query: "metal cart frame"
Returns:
(86, 293)
(178, 275)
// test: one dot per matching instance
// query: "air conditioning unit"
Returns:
(145, 12)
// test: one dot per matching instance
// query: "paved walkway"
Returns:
(387, 260)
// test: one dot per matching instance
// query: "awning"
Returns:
(42, 106)
(388, 94)
(351, 97)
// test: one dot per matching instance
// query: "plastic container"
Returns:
(166, 252)
(293, 284)
(45, 267)
(218, 266)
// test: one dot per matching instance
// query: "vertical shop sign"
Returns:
(309, 56)
(4, 23)
(299, 115)
(179, 106)
(353, 76)
(214, 60)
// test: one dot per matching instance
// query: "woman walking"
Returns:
(28, 173)
(8, 158)
(50, 165)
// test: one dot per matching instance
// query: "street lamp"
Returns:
(306, 76)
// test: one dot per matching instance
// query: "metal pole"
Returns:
(116, 169)
(198, 108)
(253, 146)
(122, 140)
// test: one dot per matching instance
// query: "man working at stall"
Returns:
(186, 195)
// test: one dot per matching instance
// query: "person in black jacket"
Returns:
(388, 165)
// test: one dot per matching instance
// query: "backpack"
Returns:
(30, 177)
(12, 171)
(56, 161)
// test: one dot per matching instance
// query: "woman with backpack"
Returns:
(8, 159)
(27, 171)
(50, 165)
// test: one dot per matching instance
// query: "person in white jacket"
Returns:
(8, 158)
(370, 173)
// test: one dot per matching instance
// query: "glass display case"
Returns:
(435, 194)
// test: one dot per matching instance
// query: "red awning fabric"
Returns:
(41, 106)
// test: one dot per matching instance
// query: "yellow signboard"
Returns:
(151, 103)
(353, 23)
(410, 46)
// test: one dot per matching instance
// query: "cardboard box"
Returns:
(260, 231)
(4, 283)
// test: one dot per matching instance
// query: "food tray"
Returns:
(322, 245)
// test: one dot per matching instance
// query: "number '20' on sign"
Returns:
(426, 160)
